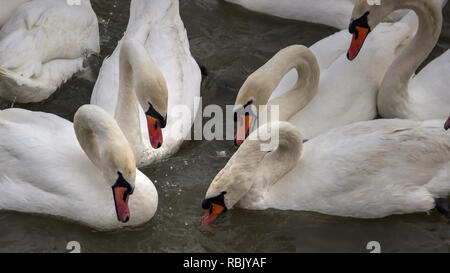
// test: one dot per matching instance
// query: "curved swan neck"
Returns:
(252, 169)
(430, 25)
(140, 83)
(265, 80)
(99, 135)
(127, 109)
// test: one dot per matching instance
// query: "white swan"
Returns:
(44, 169)
(369, 169)
(8, 8)
(346, 91)
(335, 13)
(402, 93)
(156, 25)
(43, 44)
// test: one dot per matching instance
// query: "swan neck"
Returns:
(127, 109)
(430, 25)
(306, 87)
(93, 129)
(266, 79)
(275, 164)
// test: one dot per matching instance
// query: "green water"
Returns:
(232, 43)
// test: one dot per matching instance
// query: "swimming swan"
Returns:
(84, 172)
(157, 27)
(318, 89)
(368, 169)
(402, 93)
(335, 13)
(43, 45)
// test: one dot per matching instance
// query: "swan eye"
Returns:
(122, 182)
(362, 21)
(156, 115)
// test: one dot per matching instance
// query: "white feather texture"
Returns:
(403, 94)
(368, 169)
(8, 8)
(335, 13)
(346, 90)
(45, 171)
(42, 45)
(157, 25)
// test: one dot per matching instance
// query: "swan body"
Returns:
(157, 26)
(368, 169)
(8, 8)
(335, 13)
(46, 171)
(346, 90)
(43, 44)
(402, 93)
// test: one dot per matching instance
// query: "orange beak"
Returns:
(359, 36)
(154, 132)
(243, 129)
(121, 195)
(211, 214)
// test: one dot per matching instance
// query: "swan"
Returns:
(403, 94)
(369, 169)
(44, 44)
(155, 25)
(335, 13)
(83, 172)
(8, 8)
(318, 88)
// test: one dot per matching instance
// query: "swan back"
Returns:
(8, 8)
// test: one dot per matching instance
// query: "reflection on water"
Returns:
(231, 42)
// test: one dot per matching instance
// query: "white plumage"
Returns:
(45, 171)
(42, 45)
(367, 169)
(157, 25)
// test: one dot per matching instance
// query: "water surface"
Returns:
(232, 43)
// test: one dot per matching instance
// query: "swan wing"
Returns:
(44, 42)
(430, 85)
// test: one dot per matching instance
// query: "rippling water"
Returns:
(231, 42)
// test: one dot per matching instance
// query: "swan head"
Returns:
(252, 168)
(245, 119)
(119, 169)
(152, 94)
(255, 91)
(149, 85)
(232, 183)
(365, 17)
(105, 145)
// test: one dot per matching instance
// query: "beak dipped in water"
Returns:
(212, 213)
